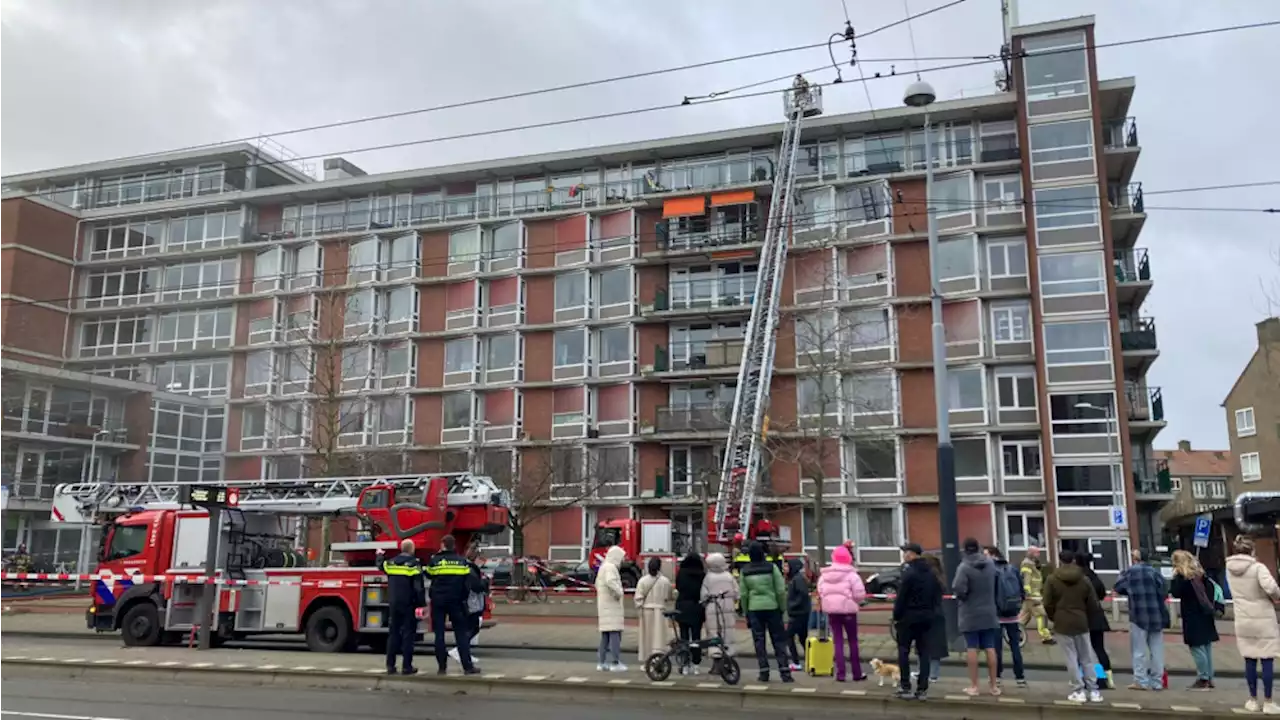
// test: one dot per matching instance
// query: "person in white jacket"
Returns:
(653, 593)
(723, 587)
(609, 611)
(1254, 593)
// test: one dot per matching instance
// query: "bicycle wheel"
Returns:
(538, 593)
(658, 667)
(515, 594)
(729, 670)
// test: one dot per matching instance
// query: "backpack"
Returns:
(1008, 592)
(1219, 599)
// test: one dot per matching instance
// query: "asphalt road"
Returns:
(81, 700)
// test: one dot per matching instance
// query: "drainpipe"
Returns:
(1241, 523)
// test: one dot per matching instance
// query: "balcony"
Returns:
(1120, 142)
(1151, 480)
(714, 238)
(60, 426)
(699, 418)
(1138, 342)
(1128, 213)
(722, 293)
(1133, 276)
(699, 355)
(1146, 404)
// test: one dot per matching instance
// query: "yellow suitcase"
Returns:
(819, 656)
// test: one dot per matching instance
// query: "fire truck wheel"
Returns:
(329, 630)
(141, 625)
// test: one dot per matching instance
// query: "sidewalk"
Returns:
(949, 689)
(556, 634)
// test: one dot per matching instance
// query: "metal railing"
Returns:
(1152, 477)
(65, 426)
(718, 237)
(699, 355)
(728, 291)
(698, 417)
(1121, 133)
(1132, 265)
(1145, 403)
(1126, 198)
(1140, 335)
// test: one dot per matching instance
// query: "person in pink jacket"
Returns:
(840, 591)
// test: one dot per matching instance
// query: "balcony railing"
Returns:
(64, 426)
(1139, 334)
(717, 237)
(1121, 133)
(1146, 404)
(1151, 477)
(728, 291)
(1132, 265)
(702, 417)
(1125, 198)
(699, 355)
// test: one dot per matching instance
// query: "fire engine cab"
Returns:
(151, 561)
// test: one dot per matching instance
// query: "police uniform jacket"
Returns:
(452, 578)
(404, 582)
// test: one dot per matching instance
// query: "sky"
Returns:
(85, 80)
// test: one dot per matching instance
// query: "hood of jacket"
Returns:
(1238, 565)
(838, 572)
(615, 556)
(691, 562)
(716, 563)
(796, 566)
(1069, 574)
(977, 560)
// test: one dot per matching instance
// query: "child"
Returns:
(653, 592)
(799, 605)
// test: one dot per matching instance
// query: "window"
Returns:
(199, 378)
(359, 312)
(1007, 258)
(1066, 207)
(971, 457)
(1061, 141)
(257, 373)
(953, 195)
(614, 284)
(464, 245)
(506, 241)
(362, 260)
(187, 442)
(1072, 274)
(459, 355)
(1021, 459)
(1052, 68)
(868, 328)
(457, 411)
(1245, 423)
(305, 262)
(615, 344)
(869, 393)
(1011, 322)
(957, 258)
(203, 329)
(862, 204)
(399, 308)
(1077, 343)
(355, 367)
(126, 238)
(126, 541)
(965, 389)
(121, 286)
(1025, 528)
(397, 362)
(1016, 389)
(1002, 194)
(875, 459)
(115, 336)
(213, 278)
(203, 230)
(1087, 486)
(570, 347)
(815, 332)
(876, 527)
(352, 419)
(817, 395)
(402, 256)
(1250, 467)
(1082, 413)
(571, 290)
(1176, 484)
(502, 352)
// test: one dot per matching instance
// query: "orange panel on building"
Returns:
(916, 391)
(542, 243)
(537, 413)
(435, 254)
(922, 527)
(915, 333)
(911, 269)
(540, 299)
(538, 356)
(428, 418)
(920, 468)
(431, 363)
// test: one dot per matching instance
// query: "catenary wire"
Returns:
(671, 106)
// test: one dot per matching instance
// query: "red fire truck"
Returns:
(151, 562)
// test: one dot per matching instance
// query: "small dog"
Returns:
(886, 671)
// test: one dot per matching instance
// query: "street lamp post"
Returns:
(920, 94)
(1115, 455)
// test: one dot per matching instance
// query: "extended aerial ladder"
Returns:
(740, 471)
(82, 502)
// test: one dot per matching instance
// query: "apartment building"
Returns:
(1253, 414)
(573, 321)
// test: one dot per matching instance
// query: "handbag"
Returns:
(475, 603)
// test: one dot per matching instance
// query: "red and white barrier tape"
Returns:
(49, 578)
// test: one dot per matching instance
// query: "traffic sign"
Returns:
(208, 496)
(1117, 517)
(1203, 525)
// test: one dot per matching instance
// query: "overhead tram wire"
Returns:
(719, 98)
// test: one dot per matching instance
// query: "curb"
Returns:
(669, 694)
(950, 661)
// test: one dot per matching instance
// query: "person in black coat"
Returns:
(938, 645)
(1098, 624)
(689, 609)
(915, 612)
(1199, 614)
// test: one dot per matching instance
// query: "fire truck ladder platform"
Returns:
(79, 502)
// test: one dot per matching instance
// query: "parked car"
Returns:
(884, 582)
(571, 574)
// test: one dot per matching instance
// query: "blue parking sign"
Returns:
(1203, 525)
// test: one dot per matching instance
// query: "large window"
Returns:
(125, 238)
(201, 378)
(1002, 194)
(1021, 459)
(875, 527)
(817, 395)
(1016, 388)
(615, 287)
(862, 204)
(615, 344)
(459, 355)
(1250, 467)
(868, 328)
(953, 195)
(502, 352)
(570, 347)
(571, 290)
(965, 389)
(121, 286)
(971, 458)
(1082, 413)
(1011, 322)
(457, 411)
(201, 230)
(397, 363)
(875, 459)
(958, 258)
(203, 329)
(1065, 207)
(1087, 486)
(212, 278)
(869, 394)
(816, 332)
(1072, 274)
(1077, 343)
(1007, 258)
(1245, 423)
(464, 245)
(1061, 141)
(115, 336)
(1025, 528)
(506, 241)
(1055, 66)
(187, 443)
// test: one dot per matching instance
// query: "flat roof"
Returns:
(171, 158)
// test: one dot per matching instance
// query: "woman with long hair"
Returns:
(689, 604)
(1199, 617)
(937, 631)
(1098, 624)
(1254, 593)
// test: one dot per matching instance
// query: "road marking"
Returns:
(619, 682)
(51, 716)
(853, 692)
(662, 683)
(339, 670)
(168, 663)
(234, 666)
(494, 676)
(708, 685)
(534, 678)
(16, 657)
(137, 662)
(73, 660)
(374, 671)
(1011, 700)
(575, 679)
(106, 661)
(1126, 706)
(1068, 703)
(201, 665)
(1185, 708)
(45, 659)
(955, 697)
(268, 667)
(755, 687)
(304, 668)
(804, 690)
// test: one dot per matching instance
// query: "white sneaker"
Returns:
(453, 653)
(617, 667)
(683, 670)
(797, 667)
(1270, 708)
(1095, 697)
(602, 667)
(1252, 705)
(1078, 696)
(693, 670)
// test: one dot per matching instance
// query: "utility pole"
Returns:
(920, 94)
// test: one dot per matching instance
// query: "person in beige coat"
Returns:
(721, 585)
(609, 611)
(1254, 593)
(653, 593)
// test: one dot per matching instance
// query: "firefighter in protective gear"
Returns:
(1032, 604)
(406, 593)
(452, 580)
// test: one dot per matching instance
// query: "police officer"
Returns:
(451, 582)
(407, 593)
